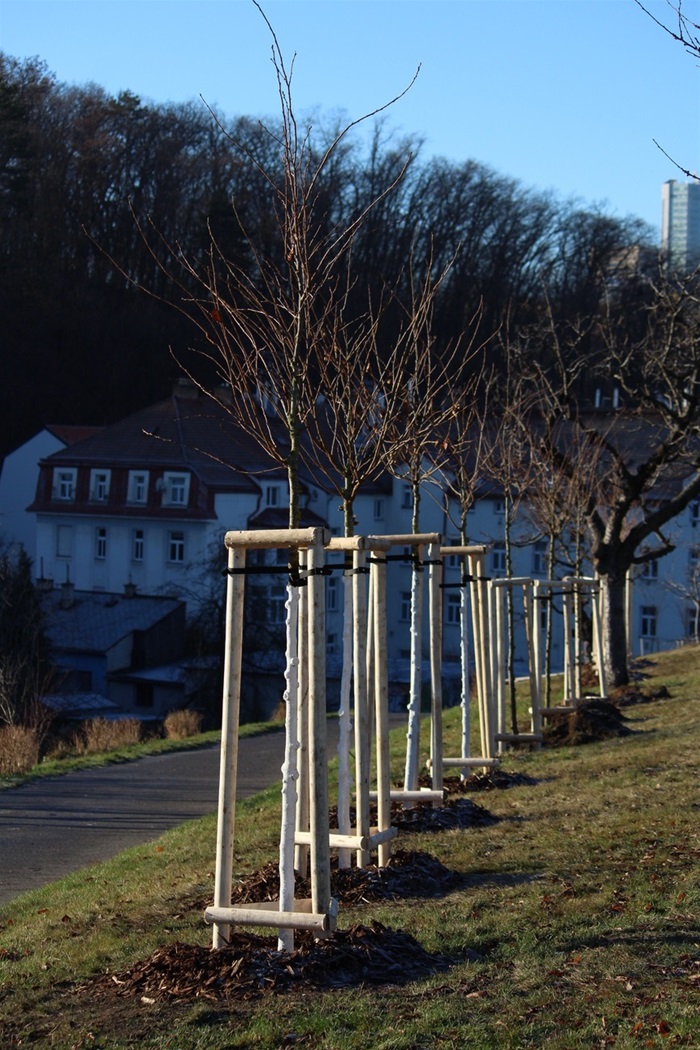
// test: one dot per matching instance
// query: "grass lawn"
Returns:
(576, 922)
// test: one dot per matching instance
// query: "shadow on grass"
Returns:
(686, 936)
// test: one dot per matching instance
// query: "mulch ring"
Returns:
(454, 813)
(494, 779)
(250, 966)
(423, 816)
(629, 695)
(589, 721)
(409, 873)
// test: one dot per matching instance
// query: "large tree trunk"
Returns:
(613, 624)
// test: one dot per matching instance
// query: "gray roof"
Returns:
(98, 621)
(181, 432)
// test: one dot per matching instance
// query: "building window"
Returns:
(138, 486)
(272, 496)
(277, 600)
(137, 545)
(176, 547)
(332, 644)
(694, 565)
(648, 621)
(405, 610)
(454, 561)
(499, 507)
(692, 622)
(378, 509)
(99, 485)
(332, 594)
(650, 570)
(64, 541)
(176, 489)
(498, 559)
(454, 606)
(539, 558)
(101, 543)
(64, 484)
(407, 497)
(695, 513)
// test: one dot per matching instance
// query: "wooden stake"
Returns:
(228, 771)
(381, 698)
(435, 594)
(318, 763)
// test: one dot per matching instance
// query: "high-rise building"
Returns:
(680, 225)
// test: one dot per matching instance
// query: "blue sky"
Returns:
(565, 95)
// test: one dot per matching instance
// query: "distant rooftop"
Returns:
(96, 621)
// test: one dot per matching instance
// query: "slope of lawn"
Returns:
(575, 923)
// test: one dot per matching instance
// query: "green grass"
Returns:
(578, 925)
(51, 767)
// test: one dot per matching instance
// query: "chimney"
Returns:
(130, 590)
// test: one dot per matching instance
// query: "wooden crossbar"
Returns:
(519, 738)
(469, 763)
(267, 913)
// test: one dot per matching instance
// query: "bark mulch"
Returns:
(630, 695)
(250, 966)
(589, 721)
(454, 813)
(494, 779)
(409, 873)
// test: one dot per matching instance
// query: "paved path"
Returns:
(55, 825)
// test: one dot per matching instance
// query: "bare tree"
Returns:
(420, 377)
(507, 463)
(266, 320)
(556, 506)
(648, 352)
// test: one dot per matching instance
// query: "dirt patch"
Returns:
(250, 966)
(590, 721)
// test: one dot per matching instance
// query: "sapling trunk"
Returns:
(415, 679)
(464, 650)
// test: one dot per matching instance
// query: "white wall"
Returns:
(18, 479)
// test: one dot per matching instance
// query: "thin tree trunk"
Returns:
(415, 685)
(511, 617)
(464, 648)
(344, 718)
(549, 628)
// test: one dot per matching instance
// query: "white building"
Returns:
(18, 478)
(680, 225)
(146, 503)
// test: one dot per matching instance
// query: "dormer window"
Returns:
(176, 489)
(138, 486)
(272, 495)
(99, 486)
(64, 483)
